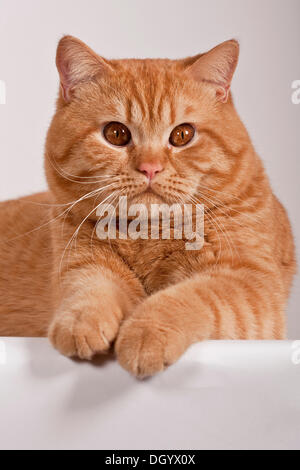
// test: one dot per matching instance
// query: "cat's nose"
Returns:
(150, 169)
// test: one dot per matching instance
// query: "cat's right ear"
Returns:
(216, 67)
(77, 63)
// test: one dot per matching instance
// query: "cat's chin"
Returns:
(147, 198)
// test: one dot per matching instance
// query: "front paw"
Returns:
(145, 347)
(86, 332)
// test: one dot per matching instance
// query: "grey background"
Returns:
(269, 33)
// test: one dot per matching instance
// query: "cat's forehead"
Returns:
(146, 65)
(151, 91)
(150, 74)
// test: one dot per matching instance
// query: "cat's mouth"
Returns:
(160, 193)
(155, 193)
(149, 190)
(147, 197)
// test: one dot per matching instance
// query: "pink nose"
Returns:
(150, 169)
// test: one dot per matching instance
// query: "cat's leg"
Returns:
(239, 303)
(94, 301)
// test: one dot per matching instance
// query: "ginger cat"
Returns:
(156, 131)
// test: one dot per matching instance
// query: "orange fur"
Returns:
(152, 296)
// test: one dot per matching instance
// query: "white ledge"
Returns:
(220, 395)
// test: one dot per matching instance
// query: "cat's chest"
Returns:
(158, 263)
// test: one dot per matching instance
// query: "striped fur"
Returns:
(152, 296)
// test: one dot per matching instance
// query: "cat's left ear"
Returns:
(77, 63)
(217, 67)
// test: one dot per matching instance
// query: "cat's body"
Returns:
(26, 268)
(163, 296)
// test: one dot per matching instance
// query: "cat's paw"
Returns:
(144, 347)
(85, 333)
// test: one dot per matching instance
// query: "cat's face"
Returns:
(152, 130)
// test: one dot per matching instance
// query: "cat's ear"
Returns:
(77, 63)
(216, 67)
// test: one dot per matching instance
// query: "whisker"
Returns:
(216, 226)
(234, 197)
(222, 208)
(95, 192)
(94, 229)
(70, 242)
(86, 196)
(75, 178)
(191, 199)
(223, 231)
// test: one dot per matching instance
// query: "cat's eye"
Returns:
(182, 135)
(117, 134)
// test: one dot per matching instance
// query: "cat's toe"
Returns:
(62, 339)
(145, 350)
(140, 352)
(83, 337)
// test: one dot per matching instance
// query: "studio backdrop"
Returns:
(265, 88)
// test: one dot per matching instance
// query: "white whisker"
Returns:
(69, 244)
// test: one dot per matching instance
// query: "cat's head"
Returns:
(154, 130)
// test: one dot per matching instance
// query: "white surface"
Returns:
(221, 395)
(268, 31)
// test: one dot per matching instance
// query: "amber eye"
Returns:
(117, 133)
(182, 135)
